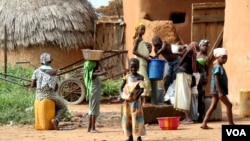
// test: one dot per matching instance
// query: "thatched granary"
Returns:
(60, 27)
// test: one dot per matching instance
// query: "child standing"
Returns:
(132, 116)
(219, 87)
(92, 71)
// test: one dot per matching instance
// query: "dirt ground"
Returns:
(110, 128)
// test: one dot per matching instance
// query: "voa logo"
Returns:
(236, 132)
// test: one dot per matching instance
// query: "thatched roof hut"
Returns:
(61, 24)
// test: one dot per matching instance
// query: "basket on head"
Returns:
(92, 54)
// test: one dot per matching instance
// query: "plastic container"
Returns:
(89, 54)
(168, 123)
(177, 49)
(156, 69)
(44, 113)
(244, 103)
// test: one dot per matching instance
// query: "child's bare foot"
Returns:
(205, 127)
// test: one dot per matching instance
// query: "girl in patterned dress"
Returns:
(131, 89)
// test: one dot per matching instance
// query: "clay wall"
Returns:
(32, 55)
(134, 10)
(236, 30)
(235, 37)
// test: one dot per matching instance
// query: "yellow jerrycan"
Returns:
(244, 103)
(44, 113)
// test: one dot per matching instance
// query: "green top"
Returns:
(202, 61)
(88, 72)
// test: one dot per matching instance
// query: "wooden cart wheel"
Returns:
(72, 90)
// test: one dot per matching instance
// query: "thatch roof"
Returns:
(62, 23)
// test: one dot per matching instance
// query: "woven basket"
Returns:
(92, 54)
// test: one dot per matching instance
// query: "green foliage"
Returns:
(16, 101)
(111, 87)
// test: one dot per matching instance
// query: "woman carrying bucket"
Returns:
(141, 52)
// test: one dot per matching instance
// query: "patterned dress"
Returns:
(132, 116)
(45, 88)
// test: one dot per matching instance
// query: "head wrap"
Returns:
(203, 42)
(138, 25)
(45, 58)
(220, 52)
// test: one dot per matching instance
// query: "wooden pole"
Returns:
(95, 35)
(5, 51)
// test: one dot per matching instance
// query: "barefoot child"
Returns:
(131, 89)
(219, 87)
(92, 71)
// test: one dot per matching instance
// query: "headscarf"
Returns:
(220, 52)
(137, 26)
(88, 73)
(45, 58)
(203, 42)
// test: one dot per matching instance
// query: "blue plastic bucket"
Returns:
(156, 69)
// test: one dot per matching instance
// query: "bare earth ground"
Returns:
(109, 126)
